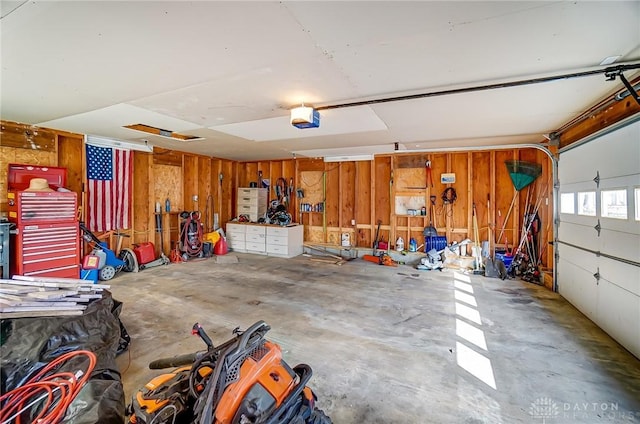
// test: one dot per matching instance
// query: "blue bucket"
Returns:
(506, 260)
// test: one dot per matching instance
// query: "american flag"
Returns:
(109, 191)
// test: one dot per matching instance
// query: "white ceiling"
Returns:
(230, 71)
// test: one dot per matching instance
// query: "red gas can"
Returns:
(221, 247)
(145, 252)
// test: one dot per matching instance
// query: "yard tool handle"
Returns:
(259, 327)
(88, 232)
(176, 361)
(199, 331)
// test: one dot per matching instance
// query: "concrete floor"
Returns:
(392, 345)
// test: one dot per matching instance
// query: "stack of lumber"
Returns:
(28, 297)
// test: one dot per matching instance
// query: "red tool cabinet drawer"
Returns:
(40, 207)
(47, 249)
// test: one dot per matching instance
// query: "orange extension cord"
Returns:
(43, 385)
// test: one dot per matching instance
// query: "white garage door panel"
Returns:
(626, 276)
(618, 225)
(587, 222)
(578, 287)
(619, 244)
(629, 180)
(577, 234)
(619, 315)
(614, 303)
(603, 156)
(571, 174)
(579, 258)
(585, 185)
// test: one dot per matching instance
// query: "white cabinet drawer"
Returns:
(255, 229)
(282, 241)
(247, 192)
(253, 193)
(235, 237)
(245, 202)
(251, 210)
(277, 249)
(255, 238)
(278, 231)
(252, 201)
(235, 228)
(255, 247)
(236, 244)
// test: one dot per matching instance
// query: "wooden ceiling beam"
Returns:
(598, 118)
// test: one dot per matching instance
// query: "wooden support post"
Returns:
(372, 208)
(470, 195)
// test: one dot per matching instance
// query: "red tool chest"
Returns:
(47, 240)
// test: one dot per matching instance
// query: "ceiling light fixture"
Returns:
(349, 158)
(118, 144)
(305, 117)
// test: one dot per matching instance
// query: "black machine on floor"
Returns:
(241, 381)
(191, 233)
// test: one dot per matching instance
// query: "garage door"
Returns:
(599, 231)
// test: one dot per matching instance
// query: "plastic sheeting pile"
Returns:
(28, 344)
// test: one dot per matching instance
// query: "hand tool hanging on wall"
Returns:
(217, 224)
(429, 180)
(432, 214)
(208, 214)
(159, 230)
(282, 192)
(290, 193)
(489, 227)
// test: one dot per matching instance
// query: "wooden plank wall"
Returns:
(381, 198)
(156, 177)
(28, 144)
(143, 200)
(363, 208)
(358, 194)
(192, 183)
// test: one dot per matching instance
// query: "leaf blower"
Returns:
(241, 381)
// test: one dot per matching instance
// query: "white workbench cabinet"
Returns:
(272, 240)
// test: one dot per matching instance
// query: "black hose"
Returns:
(175, 361)
(304, 372)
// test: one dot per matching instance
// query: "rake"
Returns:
(522, 175)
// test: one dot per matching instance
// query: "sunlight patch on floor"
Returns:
(470, 334)
(466, 298)
(461, 277)
(468, 313)
(476, 364)
(463, 286)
